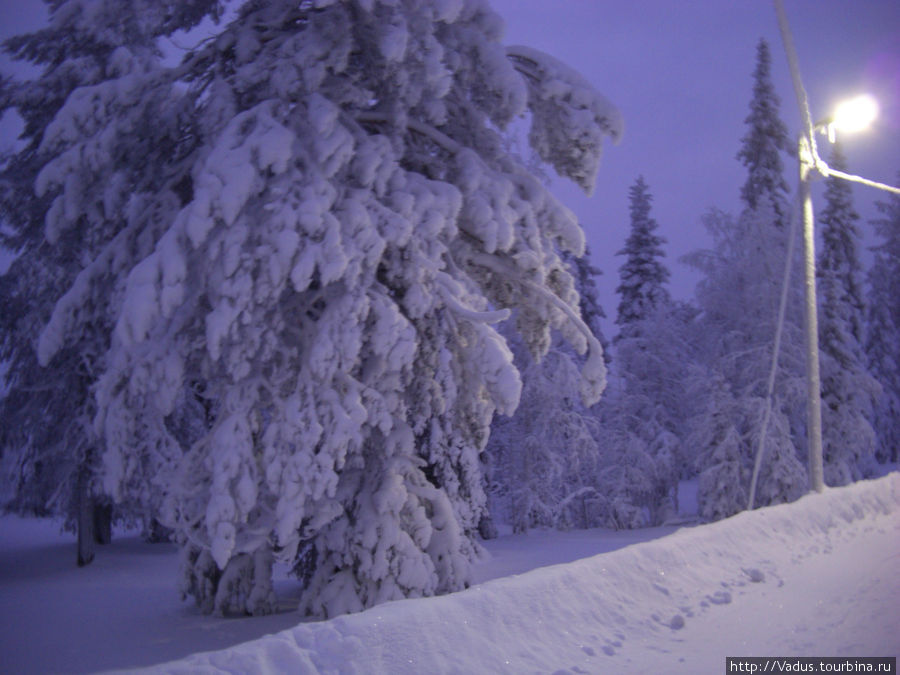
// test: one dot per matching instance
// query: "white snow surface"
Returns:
(816, 578)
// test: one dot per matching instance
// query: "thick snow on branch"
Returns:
(570, 118)
(594, 370)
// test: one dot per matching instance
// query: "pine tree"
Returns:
(643, 276)
(290, 280)
(765, 140)
(97, 121)
(883, 322)
(848, 390)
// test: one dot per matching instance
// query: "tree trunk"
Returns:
(85, 520)
(102, 522)
(156, 532)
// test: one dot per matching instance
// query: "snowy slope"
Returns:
(818, 577)
(123, 610)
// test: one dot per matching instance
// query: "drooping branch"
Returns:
(427, 130)
(464, 312)
(594, 371)
(499, 266)
(540, 68)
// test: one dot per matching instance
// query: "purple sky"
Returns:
(680, 71)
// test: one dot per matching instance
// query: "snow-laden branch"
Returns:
(427, 130)
(454, 305)
(499, 266)
(594, 372)
(53, 336)
(570, 117)
(543, 70)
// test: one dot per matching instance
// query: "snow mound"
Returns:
(635, 608)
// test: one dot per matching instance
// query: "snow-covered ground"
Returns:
(818, 577)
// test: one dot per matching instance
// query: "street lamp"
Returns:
(810, 160)
(854, 115)
(850, 116)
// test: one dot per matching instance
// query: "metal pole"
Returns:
(813, 382)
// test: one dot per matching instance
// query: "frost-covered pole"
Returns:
(809, 160)
(813, 380)
(807, 156)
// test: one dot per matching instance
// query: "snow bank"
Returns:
(621, 610)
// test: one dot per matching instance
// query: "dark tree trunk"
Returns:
(103, 522)
(85, 521)
(486, 528)
(156, 532)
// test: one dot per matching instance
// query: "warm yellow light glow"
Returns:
(855, 115)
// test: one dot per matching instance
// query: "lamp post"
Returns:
(813, 379)
(851, 116)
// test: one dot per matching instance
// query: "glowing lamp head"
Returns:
(855, 114)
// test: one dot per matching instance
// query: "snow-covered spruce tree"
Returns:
(762, 145)
(848, 390)
(643, 417)
(636, 469)
(723, 472)
(733, 339)
(642, 278)
(98, 126)
(353, 230)
(883, 329)
(738, 296)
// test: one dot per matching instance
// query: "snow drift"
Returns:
(634, 608)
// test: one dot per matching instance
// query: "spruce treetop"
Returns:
(642, 276)
(766, 137)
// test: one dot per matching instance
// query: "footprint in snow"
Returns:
(720, 598)
(662, 589)
(755, 575)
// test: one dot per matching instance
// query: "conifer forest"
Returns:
(305, 297)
